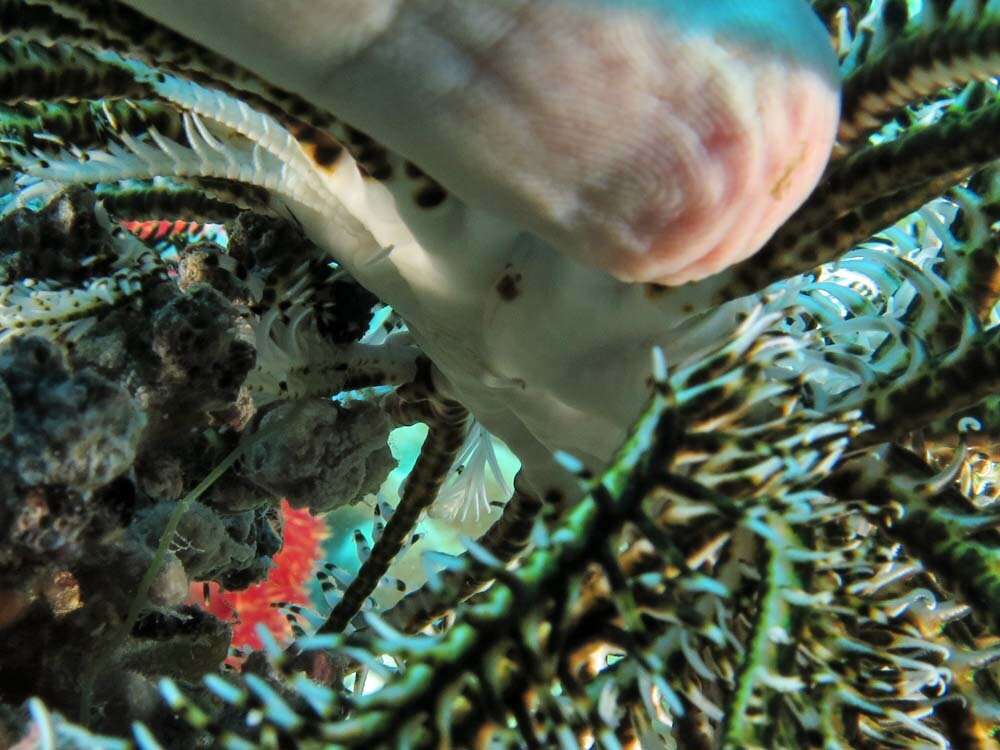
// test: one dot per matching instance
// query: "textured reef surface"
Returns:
(795, 544)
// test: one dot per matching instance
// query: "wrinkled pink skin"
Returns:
(656, 140)
(653, 139)
(653, 151)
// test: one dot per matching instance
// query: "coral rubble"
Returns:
(109, 422)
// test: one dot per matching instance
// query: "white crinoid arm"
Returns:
(465, 494)
(225, 140)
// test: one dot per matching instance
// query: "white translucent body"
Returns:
(588, 142)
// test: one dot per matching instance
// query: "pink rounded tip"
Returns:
(749, 181)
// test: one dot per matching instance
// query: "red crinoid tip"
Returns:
(287, 581)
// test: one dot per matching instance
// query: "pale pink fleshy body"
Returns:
(592, 143)
(654, 140)
(794, 130)
(660, 140)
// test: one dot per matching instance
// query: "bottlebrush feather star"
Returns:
(776, 554)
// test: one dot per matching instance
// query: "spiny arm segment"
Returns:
(891, 59)
(935, 52)
(448, 422)
(506, 538)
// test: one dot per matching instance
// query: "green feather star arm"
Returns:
(938, 53)
(505, 540)
(149, 200)
(956, 145)
(814, 622)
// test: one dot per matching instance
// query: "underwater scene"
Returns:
(617, 374)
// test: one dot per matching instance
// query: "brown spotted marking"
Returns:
(430, 195)
(413, 171)
(322, 148)
(507, 287)
(653, 290)
(374, 160)
(448, 424)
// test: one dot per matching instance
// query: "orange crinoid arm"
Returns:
(287, 581)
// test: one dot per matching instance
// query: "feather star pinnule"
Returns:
(589, 144)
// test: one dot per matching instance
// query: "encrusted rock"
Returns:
(211, 547)
(202, 361)
(319, 454)
(76, 429)
(50, 244)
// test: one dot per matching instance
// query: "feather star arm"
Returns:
(659, 140)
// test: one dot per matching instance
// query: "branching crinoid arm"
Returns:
(32, 71)
(131, 144)
(114, 26)
(35, 308)
(923, 160)
(726, 545)
(958, 141)
(716, 588)
(952, 384)
(347, 201)
(503, 542)
(971, 263)
(303, 366)
(880, 180)
(206, 157)
(50, 125)
(925, 289)
(137, 201)
(128, 139)
(859, 224)
(123, 147)
(958, 541)
(53, 308)
(49, 128)
(510, 649)
(188, 147)
(58, 72)
(35, 23)
(447, 422)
